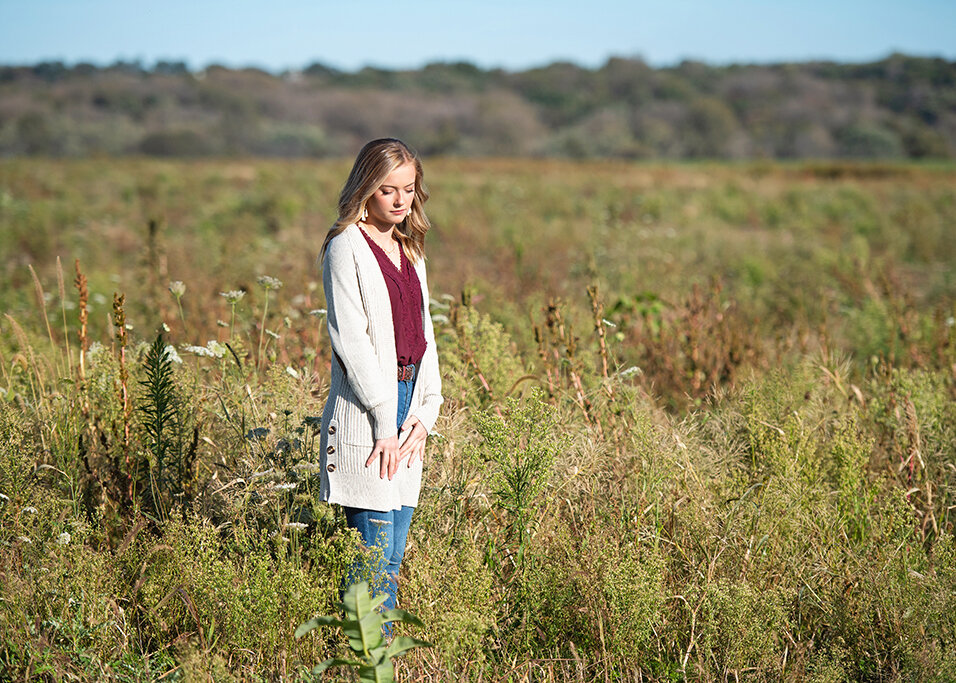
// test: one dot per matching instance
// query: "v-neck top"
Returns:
(405, 294)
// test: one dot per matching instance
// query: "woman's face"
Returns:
(391, 202)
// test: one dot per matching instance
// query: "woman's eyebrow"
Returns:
(395, 187)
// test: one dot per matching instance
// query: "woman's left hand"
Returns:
(414, 445)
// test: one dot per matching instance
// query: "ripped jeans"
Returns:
(383, 531)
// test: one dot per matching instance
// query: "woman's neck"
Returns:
(374, 229)
(382, 236)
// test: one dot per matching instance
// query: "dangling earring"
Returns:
(364, 214)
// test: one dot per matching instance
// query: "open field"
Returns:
(700, 422)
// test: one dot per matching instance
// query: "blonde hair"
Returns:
(372, 166)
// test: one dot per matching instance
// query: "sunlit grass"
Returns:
(699, 421)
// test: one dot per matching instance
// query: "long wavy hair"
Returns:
(372, 166)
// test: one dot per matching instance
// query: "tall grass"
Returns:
(700, 424)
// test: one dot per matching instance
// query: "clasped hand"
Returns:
(392, 454)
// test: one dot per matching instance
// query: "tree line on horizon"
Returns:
(900, 107)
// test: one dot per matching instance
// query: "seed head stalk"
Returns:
(233, 298)
(84, 342)
(268, 283)
(41, 304)
(61, 287)
(119, 323)
(177, 288)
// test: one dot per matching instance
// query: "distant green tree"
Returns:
(869, 141)
(709, 126)
(170, 68)
(34, 134)
(175, 143)
(50, 71)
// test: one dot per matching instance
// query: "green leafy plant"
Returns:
(521, 448)
(170, 472)
(363, 624)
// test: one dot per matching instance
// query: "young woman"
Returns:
(386, 389)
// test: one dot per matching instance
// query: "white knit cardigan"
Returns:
(363, 397)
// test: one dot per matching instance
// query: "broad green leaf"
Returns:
(403, 644)
(402, 615)
(382, 673)
(357, 601)
(314, 623)
(378, 654)
(385, 672)
(352, 631)
(371, 626)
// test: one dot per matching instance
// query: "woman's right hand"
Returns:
(387, 450)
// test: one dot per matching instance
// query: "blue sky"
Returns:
(514, 34)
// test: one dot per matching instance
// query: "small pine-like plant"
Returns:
(363, 625)
(159, 412)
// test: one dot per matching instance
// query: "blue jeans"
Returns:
(384, 533)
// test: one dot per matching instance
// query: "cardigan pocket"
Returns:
(354, 424)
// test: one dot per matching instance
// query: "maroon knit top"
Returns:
(405, 293)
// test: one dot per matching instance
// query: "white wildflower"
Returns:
(199, 351)
(170, 353)
(64, 538)
(286, 487)
(4, 498)
(269, 282)
(297, 526)
(217, 348)
(233, 296)
(24, 539)
(630, 372)
(440, 318)
(30, 509)
(950, 321)
(222, 323)
(165, 327)
(318, 312)
(177, 288)
(608, 322)
(272, 334)
(291, 372)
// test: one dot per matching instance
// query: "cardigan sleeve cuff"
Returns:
(383, 420)
(428, 414)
